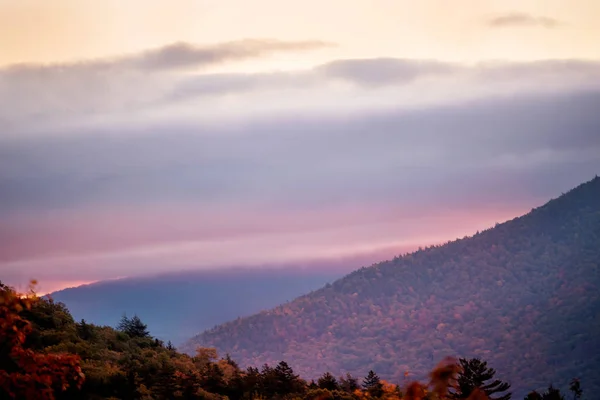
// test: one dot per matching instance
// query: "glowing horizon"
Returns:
(151, 136)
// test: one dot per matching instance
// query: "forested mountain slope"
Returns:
(176, 306)
(46, 355)
(525, 295)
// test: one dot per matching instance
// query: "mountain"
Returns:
(47, 355)
(524, 296)
(178, 305)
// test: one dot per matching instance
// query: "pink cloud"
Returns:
(93, 244)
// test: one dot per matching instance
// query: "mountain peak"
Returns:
(523, 294)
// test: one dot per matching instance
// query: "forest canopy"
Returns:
(523, 295)
(45, 354)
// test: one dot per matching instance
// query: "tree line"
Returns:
(45, 354)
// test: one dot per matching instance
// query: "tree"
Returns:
(444, 377)
(372, 384)
(137, 328)
(25, 373)
(552, 394)
(133, 327)
(287, 381)
(328, 381)
(213, 380)
(231, 362)
(349, 383)
(575, 387)
(84, 330)
(123, 324)
(475, 373)
(205, 356)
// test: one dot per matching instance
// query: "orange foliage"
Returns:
(24, 373)
(414, 391)
(390, 391)
(443, 376)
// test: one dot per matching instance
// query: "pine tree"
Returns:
(252, 382)
(231, 362)
(123, 324)
(328, 381)
(137, 328)
(213, 380)
(575, 387)
(372, 384)
(474, 374)
(133, 327)
(349, 383)
(84, 330)
(552, 394)
(280, 381)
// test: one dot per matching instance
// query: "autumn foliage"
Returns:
(524, 295)
(25, 373)
(45, 354)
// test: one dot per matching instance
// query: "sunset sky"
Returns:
(149, 136)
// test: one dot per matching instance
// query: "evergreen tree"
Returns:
(133, 327)
(575, 387)
(252, 382)
(476, 374)
(285, 380)
(213, 380)
(231, 362)
(137, 328)
(349, 383)
(372, 384)
(123, 324)
(84, 330)
(328, 381)
(280, 381)
(165, 383)
(552, 394)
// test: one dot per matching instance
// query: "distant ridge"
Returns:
(524, 295)
(178, 305)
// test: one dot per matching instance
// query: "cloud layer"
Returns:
(518, 19)
(139, 168)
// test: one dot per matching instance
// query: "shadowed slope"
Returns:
(524, 295)
(175, 306)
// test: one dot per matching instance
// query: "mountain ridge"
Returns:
(168, 302)
(522, 306)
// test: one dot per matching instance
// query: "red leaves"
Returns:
(26, 374)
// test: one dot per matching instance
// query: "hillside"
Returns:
(176, 306)
(46, 355)
(525, 295)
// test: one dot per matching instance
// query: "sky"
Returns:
(149, 136)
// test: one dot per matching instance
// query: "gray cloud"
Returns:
(408, 115)
(173, 56)
(430, 81)
(46, 93)
(184, 54)
(518, 19)
(367, 165)
(223, 84)
(47, 99)
(387, 156)
(384, 71)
